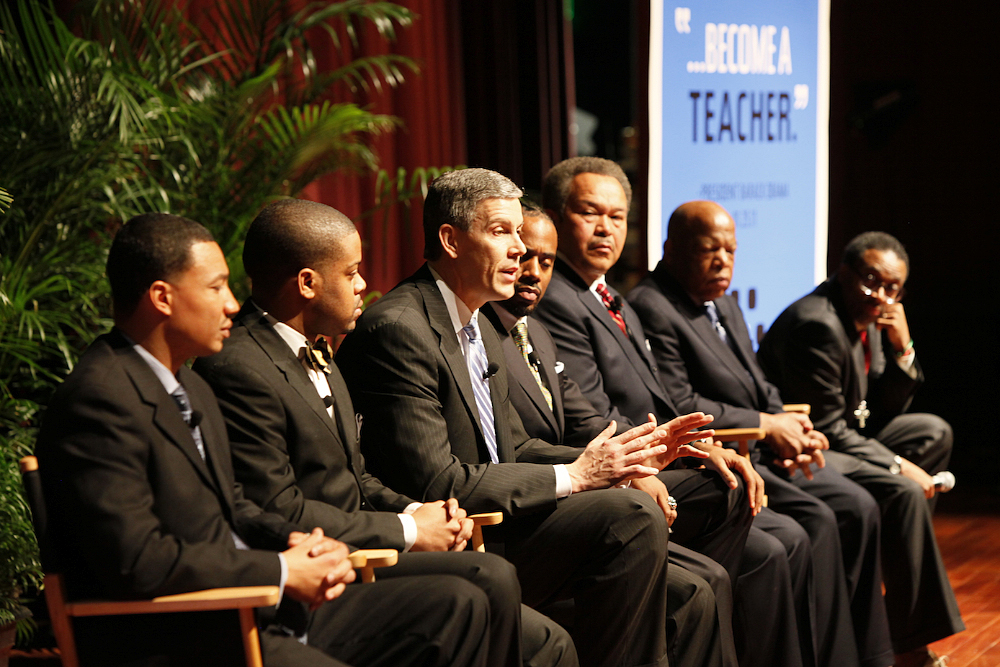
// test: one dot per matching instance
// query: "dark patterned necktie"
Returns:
(180, 397)
(520, 336)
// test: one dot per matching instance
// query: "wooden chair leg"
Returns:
(251, 639)
(480, 520)
(55, 599)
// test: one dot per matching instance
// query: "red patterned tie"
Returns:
(868, 350)
(613, 309)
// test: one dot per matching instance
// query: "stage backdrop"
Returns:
(739, 114)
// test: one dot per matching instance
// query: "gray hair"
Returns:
(453, 198)
(555, 188)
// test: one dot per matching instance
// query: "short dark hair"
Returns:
(150, 247)
(529, 209)
(866, 241)
(290, 235)
(453, 198)
(555, 188)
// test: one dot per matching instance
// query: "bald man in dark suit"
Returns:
(710, 365)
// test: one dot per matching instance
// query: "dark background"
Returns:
(912, 152)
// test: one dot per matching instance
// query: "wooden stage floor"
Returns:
(967, 523)
(968, 533)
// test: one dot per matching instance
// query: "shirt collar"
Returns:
(457, 310)
(162, 373)
(507, 318)
(294, 339)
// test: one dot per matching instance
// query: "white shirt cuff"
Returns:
(906, 364)
(564, 484)
(284, 578)
(409, 529)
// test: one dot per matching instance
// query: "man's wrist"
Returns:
(897, 465)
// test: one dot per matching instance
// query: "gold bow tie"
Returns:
(319, 355)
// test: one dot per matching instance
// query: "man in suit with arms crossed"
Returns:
(139, 482)
(294, 435)
(430, 381)
(706, 362)
(846, 350)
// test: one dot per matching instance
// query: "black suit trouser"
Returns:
(845, 540)
(922, 438)
(606, 550)
(715, 521)
(919, 601)
(519, 635)
(698, 642)
(428, 620)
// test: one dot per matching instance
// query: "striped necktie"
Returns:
(477, 363)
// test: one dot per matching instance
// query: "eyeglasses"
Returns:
(871, 283)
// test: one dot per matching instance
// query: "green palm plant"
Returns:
(137, 109)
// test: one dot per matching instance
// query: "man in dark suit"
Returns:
(846, 350)
(552, 407)
(706, 362)
(430, 380)
(294, 434)
(139, 484)
(599, 339)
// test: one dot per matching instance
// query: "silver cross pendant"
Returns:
(862, 413)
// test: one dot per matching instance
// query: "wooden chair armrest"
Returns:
(480, 520)
(367, 560)
(239, 597)
(803, 408)
(740, 436)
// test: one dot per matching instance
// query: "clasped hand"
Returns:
(318, 567)
(796, 445)
(441, 526)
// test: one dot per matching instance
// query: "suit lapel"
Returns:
(277, 350)
(736, 366)
(166, 415)
(547, 361)
(440, 321)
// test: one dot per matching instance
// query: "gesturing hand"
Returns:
(725, 461)
(609, 460)
(678, 433)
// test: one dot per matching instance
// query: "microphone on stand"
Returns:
(944, 481)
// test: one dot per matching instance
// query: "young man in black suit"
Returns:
(430, 380)
(846, 350)
(600, 341)
(294, 434)
(706, 362)
(139, 486)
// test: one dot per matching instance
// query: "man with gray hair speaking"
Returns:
(431, 384)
